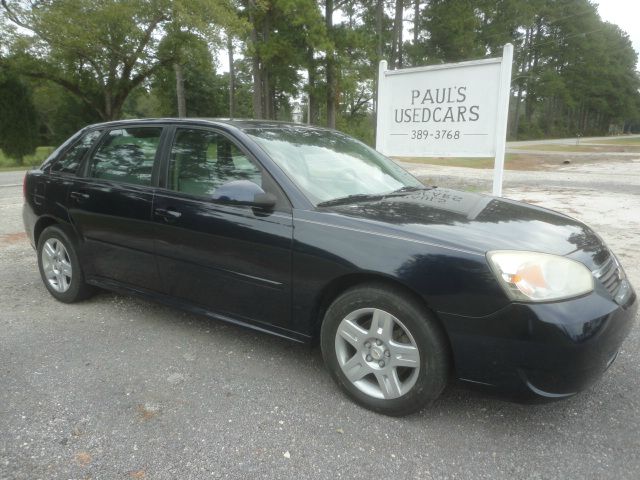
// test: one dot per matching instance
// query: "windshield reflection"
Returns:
(328, 165)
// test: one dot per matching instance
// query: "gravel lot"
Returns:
(117, 387)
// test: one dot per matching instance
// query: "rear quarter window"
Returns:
(70, 160)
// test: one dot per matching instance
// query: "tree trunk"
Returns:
(182, 104)
(312, 97)
(331, 69)
(256, 72)
(116, 107)
(232, 78)
(516, 114)
(108, 103)
(257, 89)
(257, 78)
(379, 14)
(416, 21)
(522, 80)
(396, 43)
(533, 64)
(400, 32)
(267, 94)
(273, 104)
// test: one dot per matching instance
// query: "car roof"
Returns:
(241, 124)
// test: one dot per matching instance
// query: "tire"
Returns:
(59, 266)
(384, 349)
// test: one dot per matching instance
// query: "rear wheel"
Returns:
(59, 266)
(384, 349)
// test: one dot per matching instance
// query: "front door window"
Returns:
(201, 161)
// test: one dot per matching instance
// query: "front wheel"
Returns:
(60, 267)
(384, 349)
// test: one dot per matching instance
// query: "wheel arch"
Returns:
(41, 224)
(341, 284)
(47, 221)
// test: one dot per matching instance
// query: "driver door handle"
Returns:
(168, 214)
(79, 196)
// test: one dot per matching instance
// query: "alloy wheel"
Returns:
(377, 353)
(56, 265)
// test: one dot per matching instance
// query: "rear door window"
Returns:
(69, 161)
(126, 155)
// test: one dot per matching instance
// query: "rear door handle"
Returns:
(168, 215)
(80, 196)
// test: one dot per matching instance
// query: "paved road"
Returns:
(119, 388)
(10, 179)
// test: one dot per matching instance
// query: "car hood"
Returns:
(476, 222)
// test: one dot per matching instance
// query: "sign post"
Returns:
(453, 110)
(502, 118)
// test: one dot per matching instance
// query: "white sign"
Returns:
(452, 110)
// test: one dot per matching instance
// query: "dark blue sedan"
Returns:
(308, 234)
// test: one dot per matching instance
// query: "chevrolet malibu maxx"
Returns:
(308, 234)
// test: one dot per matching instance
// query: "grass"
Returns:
(585, 147)
(622, 141)
(512, 161)
(8, 164)
(452, 161)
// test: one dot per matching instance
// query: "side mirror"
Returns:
(264, 200)
(244, 192)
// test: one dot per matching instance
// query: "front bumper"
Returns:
(541, 351)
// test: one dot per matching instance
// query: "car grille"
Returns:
(610, 275)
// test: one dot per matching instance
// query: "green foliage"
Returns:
(90, 60)
(206, 92)
(243, 106)
(576, 71)
(360, 127)
(39, 156)
(100, 51)
(60, 114)
(454, 30)
(18, 120)
(284, 37)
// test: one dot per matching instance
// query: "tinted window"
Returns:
(201, 161)
(127, 155)
(71, 159)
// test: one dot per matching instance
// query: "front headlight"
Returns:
(539, 277)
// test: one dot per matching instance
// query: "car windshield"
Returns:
(329, 166)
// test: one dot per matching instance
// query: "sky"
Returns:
(625, 14)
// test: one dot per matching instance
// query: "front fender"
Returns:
(328, 247)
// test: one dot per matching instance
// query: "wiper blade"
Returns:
(410, 189)
(351, 199)
(371, 196)
(404, 190)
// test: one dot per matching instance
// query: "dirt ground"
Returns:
(118, 388)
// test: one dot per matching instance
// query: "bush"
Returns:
(29, 160)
